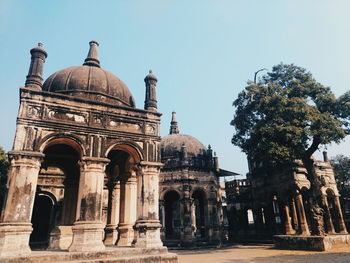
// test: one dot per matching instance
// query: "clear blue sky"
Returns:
(203, 52)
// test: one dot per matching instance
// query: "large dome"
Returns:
(90, 82)
(173, 143)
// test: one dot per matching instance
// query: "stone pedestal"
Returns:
(314, 243)
(148, 234)
(87, 237)
(61, 238)
(126, 234)
(14, 239)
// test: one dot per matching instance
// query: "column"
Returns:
(111, 232)
(147, 224)
(342, 227)
(288, 229)
(189, 218)
(294, 214)
(162, 218)
(327, 217)
(127, 215)
(15, 226)
(88, 229)
(303, 226)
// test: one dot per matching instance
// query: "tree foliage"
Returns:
(341, 166)
(4, 166)
(287, 115)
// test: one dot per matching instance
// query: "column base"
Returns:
(61, 238)
(14, 239)
(111, 235)
(148, 234)
(126, 235)
(87, 236)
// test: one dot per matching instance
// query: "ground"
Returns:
(260, 253)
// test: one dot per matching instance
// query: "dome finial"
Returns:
(174, 129)
(92, 57)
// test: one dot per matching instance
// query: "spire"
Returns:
(34, 77)
(174, 129)
(151, 96)
(92, 57)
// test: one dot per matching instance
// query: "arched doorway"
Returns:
(59, 174)
(42, 221)
(172, 214)
(199, 211)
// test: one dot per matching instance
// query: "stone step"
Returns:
(118, 254)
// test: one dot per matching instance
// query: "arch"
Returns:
(67, 139)
(201, 190)
(130, 147)
(162, 195)
(49, 195)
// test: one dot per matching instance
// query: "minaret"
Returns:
(151, 96)
(92, 57)
(34, 78)
(174, 129)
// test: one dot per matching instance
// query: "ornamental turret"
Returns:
(92, 57)
(34, 78)
(151, 96)
(174, 129)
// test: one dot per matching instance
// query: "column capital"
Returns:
(95, 159)
(25, 154)
(151, 164)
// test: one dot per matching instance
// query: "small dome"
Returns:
(173, 143)
(91, 82)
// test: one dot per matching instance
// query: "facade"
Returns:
(190, 200)
(85, 163)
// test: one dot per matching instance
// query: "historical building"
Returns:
(85, 163)
(283, 202)
(190, 200)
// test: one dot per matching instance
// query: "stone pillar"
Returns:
(189, 218)
(288, 229)
(127, 215)
(328, 217)
(147, 224)
(294, 214)
(303, 226)
(162, 218)
(342, 227)
(88, 229)
(15, 226)
(111, 232)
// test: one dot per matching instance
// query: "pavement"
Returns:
(259, 254)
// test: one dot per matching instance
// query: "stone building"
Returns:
(85, 163)
(190, 201)
(283, 203)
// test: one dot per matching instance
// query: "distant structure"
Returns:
(190, 199)
(281, 204)
(84, 166)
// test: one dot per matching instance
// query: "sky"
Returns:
(202, 51)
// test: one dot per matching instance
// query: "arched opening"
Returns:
(198, 202)
(122, 195)
(59, 176)
(172, 214)
(42, 221)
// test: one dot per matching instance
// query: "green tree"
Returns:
(341, 166)
(4, 166)
(286, 116)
